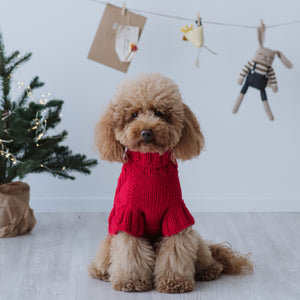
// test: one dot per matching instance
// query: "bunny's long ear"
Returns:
(192, 140)
(261, 34)
(110, 149)
(284, 60)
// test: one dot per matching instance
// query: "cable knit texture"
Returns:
(148, 198)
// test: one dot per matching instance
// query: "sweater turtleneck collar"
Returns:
(149, 159)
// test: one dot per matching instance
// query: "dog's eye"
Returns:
(134, 115)
(159, 114)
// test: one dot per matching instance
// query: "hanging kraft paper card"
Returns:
(116, 38)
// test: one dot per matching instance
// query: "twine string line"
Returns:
(203, 21)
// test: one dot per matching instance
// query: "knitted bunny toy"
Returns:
(259, 73)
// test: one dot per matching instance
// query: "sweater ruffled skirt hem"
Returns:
(133, 221)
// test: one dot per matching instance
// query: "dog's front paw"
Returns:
(174, 285)
(98, 272)
(132, 285)
(208, 273)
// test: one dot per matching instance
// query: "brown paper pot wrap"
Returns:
(16, 217)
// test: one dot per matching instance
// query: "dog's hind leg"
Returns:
(175, 262)
(99, 267)
(132, 263)
(207, 268)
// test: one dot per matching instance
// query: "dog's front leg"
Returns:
(99, 267)
(175, 263)
(132, 263)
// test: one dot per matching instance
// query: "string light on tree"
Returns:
(5, 151)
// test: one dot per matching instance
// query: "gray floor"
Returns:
(52, 261)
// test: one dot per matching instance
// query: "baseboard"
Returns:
(201, 204)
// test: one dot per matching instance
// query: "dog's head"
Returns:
(147, 115)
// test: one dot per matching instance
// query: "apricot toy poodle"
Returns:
(151, 241)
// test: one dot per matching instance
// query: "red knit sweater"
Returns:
(148, 197)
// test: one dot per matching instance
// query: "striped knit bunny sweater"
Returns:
(260, 69)
(148, 198)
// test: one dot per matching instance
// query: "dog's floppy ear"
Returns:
(110, 149)
(192, 140)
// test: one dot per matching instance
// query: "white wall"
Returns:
(249, 163)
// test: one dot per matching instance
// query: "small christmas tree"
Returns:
(25, 146)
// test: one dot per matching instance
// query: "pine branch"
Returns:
(9, 59)
(2, 51)
(5, 101)
(48, 169)
(4, 78)
(22, 60)
(53, 115)
(34, 84)
(2, 170)
(20, 170)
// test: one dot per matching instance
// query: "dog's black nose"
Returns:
(146, 134)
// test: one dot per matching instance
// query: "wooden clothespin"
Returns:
(198, 21)
(124, 9)
(262, 25)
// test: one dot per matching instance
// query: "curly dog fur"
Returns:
(170, 264)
